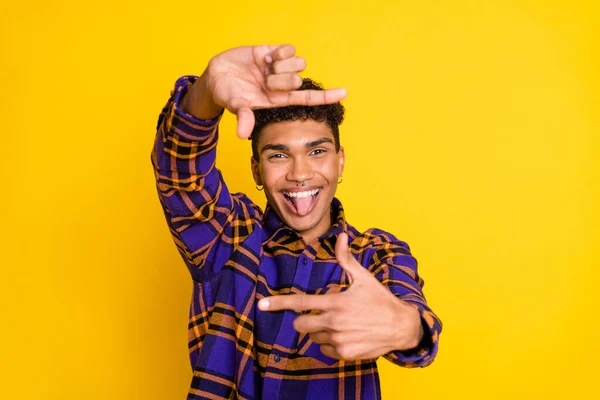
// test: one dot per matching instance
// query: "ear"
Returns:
(255, 171)
(341, 160)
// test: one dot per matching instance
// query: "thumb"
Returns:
(345, 258)
(245, 117)
(245, 122)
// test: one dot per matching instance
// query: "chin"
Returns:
(304, 223)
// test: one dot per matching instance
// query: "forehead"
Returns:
(292, 133)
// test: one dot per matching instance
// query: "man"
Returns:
(292, 303)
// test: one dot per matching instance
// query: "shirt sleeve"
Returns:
(396, 268)
(205, 220)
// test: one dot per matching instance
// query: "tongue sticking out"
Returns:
(303, 204)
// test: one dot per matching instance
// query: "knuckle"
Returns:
(272, 82)
(336, 322)
(347, 305)
(343, 351)
(302, 303)
(276, 67)
(331, 321)
(301, 63)
(289, 50)
(298, 323)
(307, 96)
(336, 340)
(269, 80)
(296, 80)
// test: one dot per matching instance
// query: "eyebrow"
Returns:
(318, 142)
(282, 147)
(277, 147)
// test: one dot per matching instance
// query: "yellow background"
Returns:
(471, 133)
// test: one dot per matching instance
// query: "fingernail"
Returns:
(268, 59)
(263, 304)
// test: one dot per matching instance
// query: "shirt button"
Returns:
(304, 261)
(277, 358)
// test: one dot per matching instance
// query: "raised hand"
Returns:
(252, 77)
(364, 322)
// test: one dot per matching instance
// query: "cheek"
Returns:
(271, 175)
(330, 169)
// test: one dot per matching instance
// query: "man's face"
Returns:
(293, 152)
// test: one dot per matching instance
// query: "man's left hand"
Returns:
(364, 322)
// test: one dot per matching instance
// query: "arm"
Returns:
(195, 200)
(205, 220)
(395, 267)
(382, 313)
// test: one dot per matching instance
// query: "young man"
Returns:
(292, 303)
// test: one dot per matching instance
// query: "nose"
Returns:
(300, 170)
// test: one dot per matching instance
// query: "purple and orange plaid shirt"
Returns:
(237, 254)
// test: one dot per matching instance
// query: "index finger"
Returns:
(316, 97)
(297, 302)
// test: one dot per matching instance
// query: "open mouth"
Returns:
(301, 203)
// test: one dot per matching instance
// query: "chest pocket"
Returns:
(308, 348)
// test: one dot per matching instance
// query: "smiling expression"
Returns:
(293, 153)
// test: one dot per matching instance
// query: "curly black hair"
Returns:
(332, 114)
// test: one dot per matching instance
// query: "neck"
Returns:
(316, 231)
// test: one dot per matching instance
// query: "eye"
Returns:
(276, 156)
(316, 152)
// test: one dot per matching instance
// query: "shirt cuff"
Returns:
(425, 352)
(186, 125)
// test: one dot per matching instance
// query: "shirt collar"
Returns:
(276, 228)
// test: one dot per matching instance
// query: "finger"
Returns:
(310, 323)
(245, 117)
(280, 53)
(322, 337)
(293, 64)
(330, 351)
(345, 258)
(297, 302)
(245, 123)
(283, 82)
(315, 97)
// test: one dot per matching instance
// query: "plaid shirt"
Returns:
(237, 254)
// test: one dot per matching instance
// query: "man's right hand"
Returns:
(252, 77)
